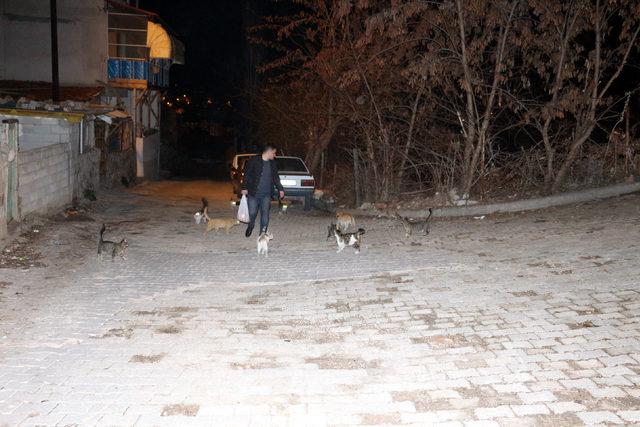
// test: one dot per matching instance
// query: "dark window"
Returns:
(290, 164)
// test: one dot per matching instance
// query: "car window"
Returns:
(242, 161)
(290, 164)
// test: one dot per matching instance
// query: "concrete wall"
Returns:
(51, 169)
(44, 181)
(38, 132)
(25, 41)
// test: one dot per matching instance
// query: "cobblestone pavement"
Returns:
(519, 320)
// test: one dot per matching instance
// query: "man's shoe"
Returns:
(248, 232)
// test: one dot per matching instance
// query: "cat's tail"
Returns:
(361, 230)
(430, 213)
(102, 232)
(205, 203)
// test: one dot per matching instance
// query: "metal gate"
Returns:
(10, 135)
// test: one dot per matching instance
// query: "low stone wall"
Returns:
(44, 181)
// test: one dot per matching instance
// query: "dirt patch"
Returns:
(380, 419)
(340, 362)
(525, 294)
(588, 311)
(259, 326)
(22, 253)
(339, 307)
(262, 297)
(180, 409)
(171, 329)
(442, 341)
(141, 358)
(378, 301)
(581, 325)
(327, 338)
(566, 419)
(253, 365)
(144, 313)
(118, 333)
(487, 397)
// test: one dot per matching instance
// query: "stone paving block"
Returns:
(562, 407)
(599, 417)
(522, 410)
(496, 412)
(630, 416)
(539, 396)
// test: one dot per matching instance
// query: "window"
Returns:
(290, 164)
(128, 36)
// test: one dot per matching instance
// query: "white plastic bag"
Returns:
(243, 210)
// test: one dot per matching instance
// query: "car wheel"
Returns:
(308, 202)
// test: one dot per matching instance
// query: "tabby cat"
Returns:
(412, 225)
(113, 248)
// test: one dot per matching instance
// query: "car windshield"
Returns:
(290, 164)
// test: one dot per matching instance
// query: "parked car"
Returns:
(294, 175)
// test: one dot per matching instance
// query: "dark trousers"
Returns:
(262, 203)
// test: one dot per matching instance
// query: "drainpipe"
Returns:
(55, 81)
(81, 134)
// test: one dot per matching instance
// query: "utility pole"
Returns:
(55, 80)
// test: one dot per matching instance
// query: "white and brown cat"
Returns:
(263, 243)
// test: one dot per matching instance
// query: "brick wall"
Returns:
(44, 182)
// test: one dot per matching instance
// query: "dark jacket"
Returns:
(253, 171)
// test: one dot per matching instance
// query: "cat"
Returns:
(344, 221)
(113, 248)
(263, 244)
(418, 225)
(202, 213)
(218, 223)
(282, 207)
(347, 239)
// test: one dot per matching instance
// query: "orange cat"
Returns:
(218, 223)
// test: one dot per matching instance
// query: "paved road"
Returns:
(511, 320)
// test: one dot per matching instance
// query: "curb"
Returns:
(516, 206)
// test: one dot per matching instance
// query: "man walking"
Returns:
(260, 179)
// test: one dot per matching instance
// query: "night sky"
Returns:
(214, 38)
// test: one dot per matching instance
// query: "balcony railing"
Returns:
(138, 73)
